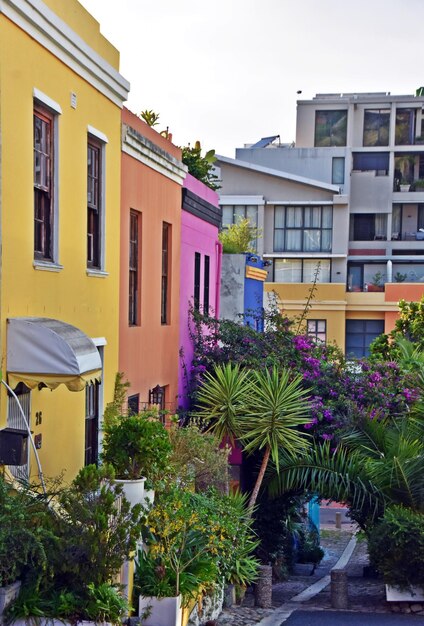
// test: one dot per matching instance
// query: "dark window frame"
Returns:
(302, 229)
(315, 332)
(376, 121)
(362, 335)
(302, 270)
(206, 285)
(134, 273)
(196, 291)
(166, 273)
(94, 202)
(330, 128)
(43, 183)
(133, 404)
(92, 414)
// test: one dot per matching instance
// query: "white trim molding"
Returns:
(46, 101)
(139, 147)
(97, 134)
(44, 26)
(243, 200)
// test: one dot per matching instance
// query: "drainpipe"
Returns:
(218, 252)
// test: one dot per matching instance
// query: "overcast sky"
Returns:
(227, 72)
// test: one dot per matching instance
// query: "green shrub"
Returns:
(396, 547)
(137, 446)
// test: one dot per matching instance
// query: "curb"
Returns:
(282, 613)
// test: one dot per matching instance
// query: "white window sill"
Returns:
(97, 273)
(48, 266)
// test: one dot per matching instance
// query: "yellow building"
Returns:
(61, 96)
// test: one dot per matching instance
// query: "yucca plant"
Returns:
(262, 409)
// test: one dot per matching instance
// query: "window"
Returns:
(91, 423)
(301, 270)
(376, 127)
(405, 127)
(165, 284)
(134, 273)
(368, 227)
(231, 214)
(317, 329)
(196, 281)
(134, 404)
(16, 420)
(305, 229)
(338, 171)
(157, 397)
(206, 276)
(371, 161)
(94, 200)
(359, 336)
(330, 128)
(43, 184)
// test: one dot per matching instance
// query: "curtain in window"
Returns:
(288, 271)
(380, 225)
(396, 220)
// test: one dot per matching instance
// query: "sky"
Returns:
(227, 72)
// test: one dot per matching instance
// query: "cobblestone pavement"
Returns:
(364, 594)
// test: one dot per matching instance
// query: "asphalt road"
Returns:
(346, 618)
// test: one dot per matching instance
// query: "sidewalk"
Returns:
(365, 595)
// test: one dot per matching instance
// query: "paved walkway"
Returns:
(304, 594)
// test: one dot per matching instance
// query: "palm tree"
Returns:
(376, 466)
(261, 409)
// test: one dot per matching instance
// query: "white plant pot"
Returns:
(164, 611)
(149, 497)
(133, 490)
(7, 595)
(413, 594)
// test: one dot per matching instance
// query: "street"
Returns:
(346, 618)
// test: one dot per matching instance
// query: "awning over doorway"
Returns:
(50, 352)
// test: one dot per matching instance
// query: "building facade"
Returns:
(152, 177)
(201, 254)
(370, 147)
(60, 109)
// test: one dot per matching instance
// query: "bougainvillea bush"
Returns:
(342, 393)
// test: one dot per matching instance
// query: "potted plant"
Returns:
(138, 449)
(192, 541)
(399, 277)
(404, 185)
(396, 548)
(377, 283)
(89, 533)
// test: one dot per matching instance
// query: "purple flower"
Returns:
(327, 437)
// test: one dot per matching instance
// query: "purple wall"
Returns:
(197, 235)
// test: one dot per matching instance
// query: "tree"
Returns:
(376, 466)
(239, 237)
(260, 408)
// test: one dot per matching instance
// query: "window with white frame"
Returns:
(95, 202)
(44, 188)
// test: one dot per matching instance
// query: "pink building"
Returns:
(200, 267)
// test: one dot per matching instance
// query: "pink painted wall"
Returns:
(197, 235)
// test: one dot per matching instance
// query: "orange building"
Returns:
(152, 174)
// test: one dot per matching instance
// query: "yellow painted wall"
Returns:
(328, 303)
(332, 303)
(90, 303)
